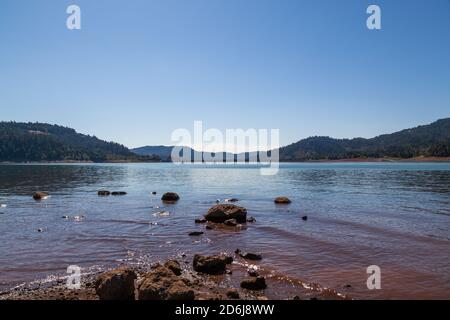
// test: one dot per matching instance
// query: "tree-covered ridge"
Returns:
(431, 140)
(20, 142)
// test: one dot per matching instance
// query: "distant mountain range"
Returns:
(431, 140)
(29, 142)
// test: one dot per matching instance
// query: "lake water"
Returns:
(395, 216)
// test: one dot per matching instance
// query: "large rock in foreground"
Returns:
(223, 212)
(162, 284)
(211, 264)
(116, 284)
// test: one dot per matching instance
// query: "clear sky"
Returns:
(139, 69)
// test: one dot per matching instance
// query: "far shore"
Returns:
(416, 159)
(350, 160)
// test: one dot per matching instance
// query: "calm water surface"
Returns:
(396, 216)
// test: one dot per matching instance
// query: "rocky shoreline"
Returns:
(177, 280)
(221, 276)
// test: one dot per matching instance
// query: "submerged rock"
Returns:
(103, 193)
(40, 195)
(79, 218)
(258, 283)
(251, 219)
(210, 264)
(116, 284)
(170, 197)
(222, 212)
(200, 220)
(248, 255)
(162, 284)
(161, 214)
(282, 200)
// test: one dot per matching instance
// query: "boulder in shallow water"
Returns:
(116, 284)
(258, 283)
(282, 200)
(222, 212)
(210, 264)
(170, 197)
(40, 195)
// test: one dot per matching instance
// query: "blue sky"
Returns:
(137, 70)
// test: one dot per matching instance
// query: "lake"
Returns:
(393, 215)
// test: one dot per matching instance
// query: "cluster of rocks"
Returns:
(166, 282)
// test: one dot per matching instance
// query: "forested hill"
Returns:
(24, 142)
(431, 140)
